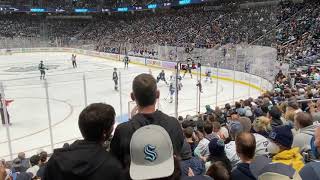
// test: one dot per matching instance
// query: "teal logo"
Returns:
(150, 152)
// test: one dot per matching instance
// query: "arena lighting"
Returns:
(82, 10)
(122, 9)
(184, 2)
(152, 6)
(37, 10)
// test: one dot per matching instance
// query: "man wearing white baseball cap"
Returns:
(151, 154)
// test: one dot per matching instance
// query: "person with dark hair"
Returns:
(217, 153)
(218, 171)
(43, 163)
(145, 94)
(245, 147)
(87, 159)
(204, 132)
(275, 115)
(303, 122)
(188, 133)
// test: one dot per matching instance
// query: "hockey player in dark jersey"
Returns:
(162, 76)
(126, 62)
(188, 68)
(42, 70)
(115, 79)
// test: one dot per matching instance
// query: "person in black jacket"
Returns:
(145, 94)
(245, 147)
(87, 159)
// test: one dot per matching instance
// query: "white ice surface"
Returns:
(28, 113)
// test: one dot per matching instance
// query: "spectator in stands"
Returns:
(3, 172)
(43, 162)
(204, 133)
(311, 170)
(230, 147)
(305, 131)
(275, 116)
(34, 162)
(217, 153)
(87, 159)
(246, 123)
(280, 147)
(189, 162)
(218, 171)
(145, 94)
(152, 157)
(261, 127)
(188, 133)
(246, 147)
(24, 161)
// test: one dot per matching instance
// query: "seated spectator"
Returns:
(87, 159)
(204, 132)
(230, 148)
(188, 133)
(220, 131)
(280, 147)
(43, 162)
(246, 123)
(152, 158)
(218, 171)
(245, 146)
(311, 170)
(261, 127)
(189, 162)
(145, 94)
(305, 130)
(217, 153)
(262, 168)
(275, 115)
(34, 162)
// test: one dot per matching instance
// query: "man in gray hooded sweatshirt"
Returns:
(303, 122)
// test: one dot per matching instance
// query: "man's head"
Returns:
(21, 155)
(144, 90)
(235, 128)
(35, 160)
(188, 132)
(302, 120)
(281, 139)
(245, 146)
(274, 113)
(96, 122)
(208, 127)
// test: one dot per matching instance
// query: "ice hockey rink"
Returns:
(29, 131)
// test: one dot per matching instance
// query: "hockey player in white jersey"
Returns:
(208, 74)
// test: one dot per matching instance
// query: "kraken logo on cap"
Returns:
(150, 152)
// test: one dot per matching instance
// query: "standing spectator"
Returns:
(87, 159)
(24, 161)
(145, 94)
(280, 146)
(303, 122)
(246, 147)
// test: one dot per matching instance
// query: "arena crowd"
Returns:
(274, 136)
